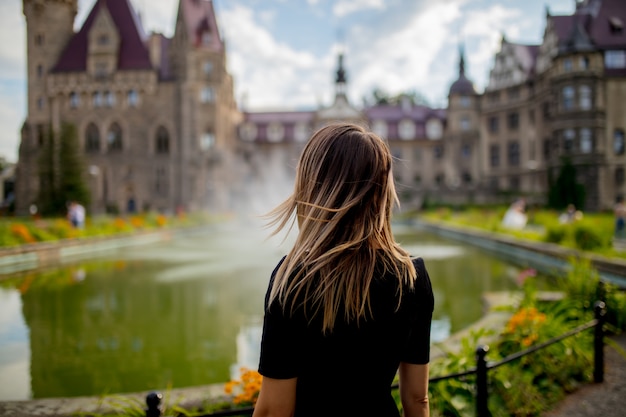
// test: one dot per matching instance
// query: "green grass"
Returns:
(591, 234)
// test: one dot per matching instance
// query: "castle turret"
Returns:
(49, 27)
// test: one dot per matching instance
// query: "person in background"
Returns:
(571, 215)
(515, 217)
(347, 308)
(76, 214)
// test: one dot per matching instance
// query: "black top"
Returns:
(350, 370)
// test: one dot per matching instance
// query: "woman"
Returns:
(346, 307)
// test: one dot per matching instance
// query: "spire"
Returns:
(461, 61)
(578, 40)
(340, 80)
(462, 86)
(341, 73)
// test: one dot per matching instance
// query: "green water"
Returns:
(182, 313)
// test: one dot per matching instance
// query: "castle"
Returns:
(155, 116)
(160, 129)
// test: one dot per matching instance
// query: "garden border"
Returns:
(545, 257)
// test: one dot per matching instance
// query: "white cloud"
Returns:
(12, 76)
(12, 115)
(345, 7)
(485, 28)
(13, 47)
(269, 72)
(412, 45)
(156, 16)
(401, 59)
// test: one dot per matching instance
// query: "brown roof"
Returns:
(199, 17)
(133, 54)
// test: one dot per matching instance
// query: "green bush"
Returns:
(555, 234)
(587, 238)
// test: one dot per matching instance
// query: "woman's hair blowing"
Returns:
(343, 200)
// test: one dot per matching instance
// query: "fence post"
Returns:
(598, 342)
(482, 410)
(153, 401)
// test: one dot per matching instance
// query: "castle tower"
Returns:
(49, 27)
(460, 162)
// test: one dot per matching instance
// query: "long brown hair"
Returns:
(343, 199)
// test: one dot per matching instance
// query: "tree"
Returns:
(565, 190)
(46, 200)
(61, 172)
(381, 97)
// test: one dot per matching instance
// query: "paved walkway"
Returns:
(607, 399)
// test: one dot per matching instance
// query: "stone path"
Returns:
(607, 399)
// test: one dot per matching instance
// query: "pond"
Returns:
(185, 312)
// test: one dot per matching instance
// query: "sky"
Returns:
(282, 54)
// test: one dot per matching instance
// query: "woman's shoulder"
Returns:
(419, 265)
(423, 279)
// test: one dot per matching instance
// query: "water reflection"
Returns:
(181, 313)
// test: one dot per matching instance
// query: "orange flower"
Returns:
(137, 222)
(22, 232)
(525, 317)
(247, 389)
(161, 220)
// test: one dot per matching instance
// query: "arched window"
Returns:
(162, 144)
(114, 138)
(92, 139)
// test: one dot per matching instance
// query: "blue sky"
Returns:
(283, 53)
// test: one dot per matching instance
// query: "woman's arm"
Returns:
(414, 390)
(277, 398)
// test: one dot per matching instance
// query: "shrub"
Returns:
(586, 238)
(555, 234)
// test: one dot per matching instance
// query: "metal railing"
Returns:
(481, 370)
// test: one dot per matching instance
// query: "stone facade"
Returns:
(155, 116)
(564, 98)
(160, 129)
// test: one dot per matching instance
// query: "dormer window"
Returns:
(275, 132)
(406, 129)
(102, 69)
(207, 67)
(206, 38)
(248, 132)
(380, 128)
(616, 25)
